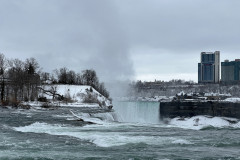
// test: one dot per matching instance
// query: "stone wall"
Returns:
(189, 109)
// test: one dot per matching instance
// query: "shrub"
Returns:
(25, 99)
(32, 98)
(60, 98)
(91, 90)
(49, 105)
(103, 103)
(89, 98)
(22, 106)
(67, 98)
(42, 99)
(5, 103)
(12, 102)
(46, 105)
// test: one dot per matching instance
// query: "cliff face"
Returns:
(189, 109)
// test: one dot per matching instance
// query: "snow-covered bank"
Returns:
(201, 122)
(75, 94)
(37, 104)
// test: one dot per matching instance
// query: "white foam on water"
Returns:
(101, 135)
(237, 125)
(98, 118)
(182, 141)
(137, 112)
(200, 122)
(62, 116)
(23, 112)
(109, 116)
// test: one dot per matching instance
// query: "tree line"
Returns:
(20, 80)
(172, 87)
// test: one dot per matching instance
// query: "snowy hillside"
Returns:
(74, 93)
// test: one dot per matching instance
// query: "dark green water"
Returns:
(133, 132)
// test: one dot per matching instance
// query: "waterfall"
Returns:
(140, 112)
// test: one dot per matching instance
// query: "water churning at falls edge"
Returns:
(140, 112)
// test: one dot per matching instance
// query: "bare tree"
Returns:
(79, 79)
(45, 76)
(16, 75)
(90, 78)
(103, 90)
(62, 75)
(31, 66)
(71, 77)
(32, 78)
(3, 67)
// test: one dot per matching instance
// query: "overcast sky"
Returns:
(121, 39)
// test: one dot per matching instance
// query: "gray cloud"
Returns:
(120, 38)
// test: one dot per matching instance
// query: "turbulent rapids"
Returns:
(132, 131)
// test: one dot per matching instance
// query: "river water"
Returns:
(132, 131)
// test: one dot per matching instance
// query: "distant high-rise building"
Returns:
(209, 67)
(230, 71)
